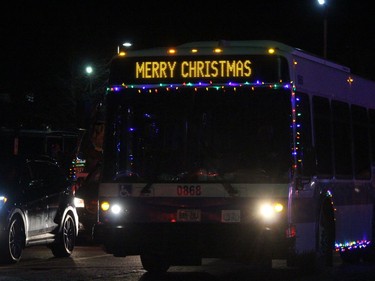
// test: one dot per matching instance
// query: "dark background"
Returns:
(45, 45)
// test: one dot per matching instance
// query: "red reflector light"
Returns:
(290, 231)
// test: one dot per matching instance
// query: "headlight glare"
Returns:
(3, 200)
(79, 202)
(268, 211)
(104, 206)
(116, 209)
(278, 207)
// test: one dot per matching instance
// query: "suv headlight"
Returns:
(79, 202)
(3, 199)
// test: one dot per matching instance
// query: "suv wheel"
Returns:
(12, 245)
(64, 245)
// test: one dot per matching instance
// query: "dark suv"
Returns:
(36, 207)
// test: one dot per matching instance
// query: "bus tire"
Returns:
(351, 256)
(316, 260)
(264, 262)
(326, 234)
(155, 263)
(263, 259)
(369, 253)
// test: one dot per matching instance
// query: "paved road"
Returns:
(92, 263)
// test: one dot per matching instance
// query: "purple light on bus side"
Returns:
(257, 83)
(347, 246)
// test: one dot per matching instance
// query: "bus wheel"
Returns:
(263, 257)
(155, 263)
(350, 256)
(369, 254)
(263, 262)
(326, 234)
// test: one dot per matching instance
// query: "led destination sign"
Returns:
(192, 69)
(208, 69)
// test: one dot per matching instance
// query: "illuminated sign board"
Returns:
(215, 69)
(192, 69)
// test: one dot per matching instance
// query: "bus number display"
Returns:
(189, 190)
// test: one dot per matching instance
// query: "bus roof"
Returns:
(309, 73)
(263, 45)
(237, 47)
(205, 47)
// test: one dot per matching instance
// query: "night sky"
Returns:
(45, 45)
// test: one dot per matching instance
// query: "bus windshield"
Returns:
(198, 135)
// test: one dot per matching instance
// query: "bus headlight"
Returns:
(269, 211)
(113, 208)
(116, 209)
(104, 206)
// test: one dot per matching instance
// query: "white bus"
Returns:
(236, 149)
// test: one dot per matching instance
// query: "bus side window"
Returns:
(372, 134)
(307, 163)
(323, 137)
(361, 143)
(342, 140)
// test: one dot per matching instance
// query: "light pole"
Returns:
(89, 72)
(324, 5)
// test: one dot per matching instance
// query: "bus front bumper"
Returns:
(204, 240)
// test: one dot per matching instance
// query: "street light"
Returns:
(127, 44)
(323, 3)
(124, 46)
(89, 69)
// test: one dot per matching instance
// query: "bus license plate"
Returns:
(188, 215)
(230, 216)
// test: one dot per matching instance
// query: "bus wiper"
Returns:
(147, 188)
(230, 189)
(126, 174)
(165, 177)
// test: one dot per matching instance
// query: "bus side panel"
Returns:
(303, 217)
(353, 206)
